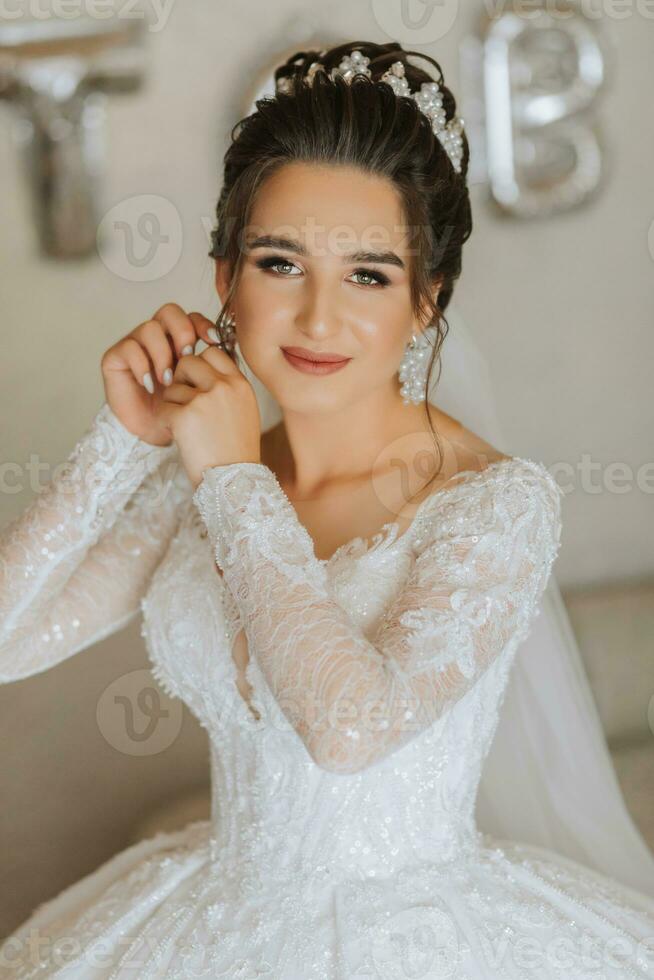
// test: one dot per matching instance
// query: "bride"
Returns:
(339, 599)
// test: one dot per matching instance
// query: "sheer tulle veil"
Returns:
(548, 779)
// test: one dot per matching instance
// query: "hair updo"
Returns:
(362, 124)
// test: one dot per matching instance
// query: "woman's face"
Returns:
(314, 293)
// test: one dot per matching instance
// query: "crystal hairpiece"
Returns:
(429, 99)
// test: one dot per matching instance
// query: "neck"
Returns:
(320, 450)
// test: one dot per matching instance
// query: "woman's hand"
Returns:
(137, 369)
(211, 411)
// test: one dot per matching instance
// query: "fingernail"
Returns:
(188, 349)
(212, 334)
(148, 383)
(167, 376)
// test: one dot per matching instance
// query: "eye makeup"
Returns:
(271, 261)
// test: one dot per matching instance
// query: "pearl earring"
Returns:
(413, 367)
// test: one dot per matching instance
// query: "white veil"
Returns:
(548, 779)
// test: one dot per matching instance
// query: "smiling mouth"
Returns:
(306, 366)
(315, 357)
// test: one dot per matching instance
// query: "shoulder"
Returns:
(515, 484)
(502, 522)
(510, 497)
(487, 468)
(462, 451)
(526, 480)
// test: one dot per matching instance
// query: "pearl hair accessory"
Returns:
(429, 99)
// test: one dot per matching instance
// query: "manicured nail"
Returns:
(188, 349)
(212, 334)
(148, 383)
(167, 376)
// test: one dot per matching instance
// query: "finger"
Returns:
(206, 329)
(179, 327)
(167, 413)
(179, 394)
(221, 361)
(152, 337)
(195, 371)
(128, 353)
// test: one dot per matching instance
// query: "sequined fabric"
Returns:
(481, 553)
(75, 564)
(342, 842)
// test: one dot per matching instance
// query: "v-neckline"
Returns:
(368, 546)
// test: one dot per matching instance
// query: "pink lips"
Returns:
(312, 362)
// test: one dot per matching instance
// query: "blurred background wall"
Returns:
(561, 306)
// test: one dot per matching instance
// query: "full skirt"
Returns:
(164, 908)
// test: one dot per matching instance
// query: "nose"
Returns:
(318, 316)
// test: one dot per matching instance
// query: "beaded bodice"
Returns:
(274, 810)
(283, 805)
(376, 676)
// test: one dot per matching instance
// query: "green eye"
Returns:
(377, 277)
(273, 262)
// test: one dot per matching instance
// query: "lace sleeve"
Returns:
(75, 563)
(478, 573)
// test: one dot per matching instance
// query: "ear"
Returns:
(436, 288)
(223, 277)
(437, 285)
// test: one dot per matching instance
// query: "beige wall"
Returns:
(562, 308)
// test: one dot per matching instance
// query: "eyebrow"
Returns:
(290, 245)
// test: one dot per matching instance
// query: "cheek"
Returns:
(263, 312)
(381, 340)
(259, 342)
(259, 287)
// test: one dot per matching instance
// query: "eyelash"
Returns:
(272, 260)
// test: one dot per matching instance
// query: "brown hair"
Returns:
(363, 124)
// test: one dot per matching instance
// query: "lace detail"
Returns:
(388, 535)
(482, 563)
(334, 872)
(74, 565)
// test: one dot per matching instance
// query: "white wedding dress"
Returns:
(342, 841)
